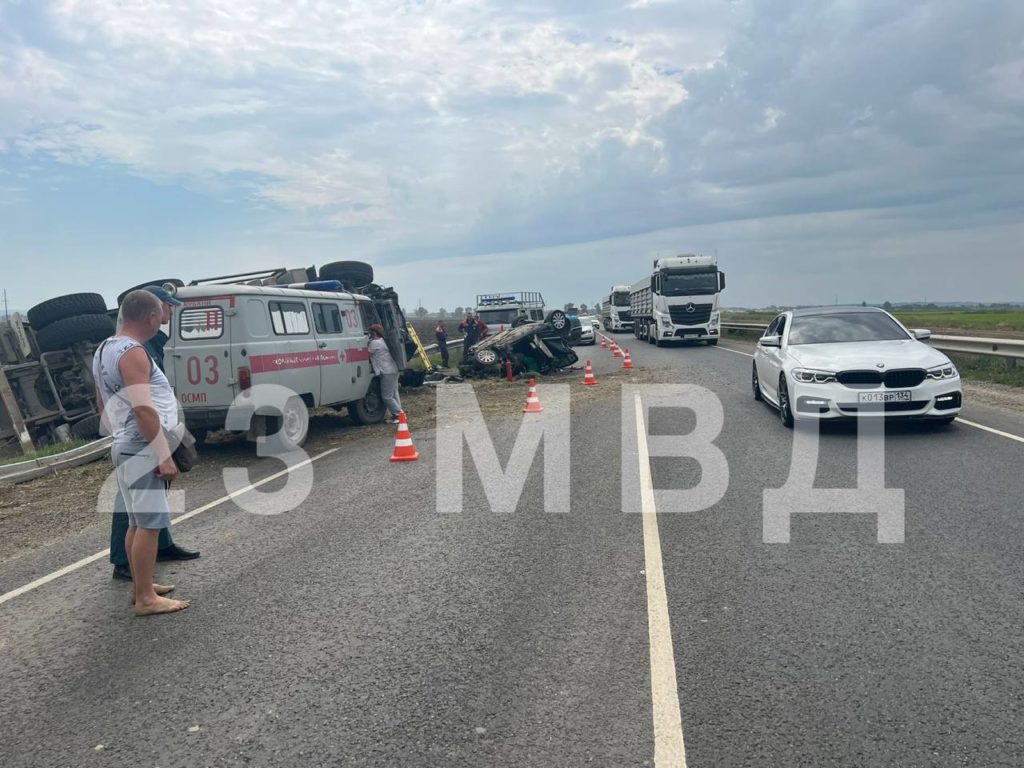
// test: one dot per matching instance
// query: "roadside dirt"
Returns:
(45, 510)
(998, 395)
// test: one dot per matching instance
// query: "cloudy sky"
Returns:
(850, 149)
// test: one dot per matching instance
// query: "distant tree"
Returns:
(442, 312)
(887, 306)
(568, 306)
(583, 307)
(459, 311)
(421, 312)
(863, 303)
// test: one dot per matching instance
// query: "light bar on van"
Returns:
(319, 285)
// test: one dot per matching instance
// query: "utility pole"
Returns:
(6, 314)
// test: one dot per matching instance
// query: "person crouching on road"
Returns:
(384, 366)
(441, 334)
(137, 403)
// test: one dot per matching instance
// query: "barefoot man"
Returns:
(136, 400)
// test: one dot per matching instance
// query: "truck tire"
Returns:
(72, 330)
(369, 410)
(172, 280)
(351, 274)
(49, 312)
(87, 428)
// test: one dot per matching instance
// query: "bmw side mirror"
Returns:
(921, 334)
(770, 341)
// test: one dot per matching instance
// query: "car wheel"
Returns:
(785, 409)
(294, 423)
(487, 356)
(369, 410)
(558, 320)
(755, 383)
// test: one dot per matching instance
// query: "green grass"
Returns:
(454, 358)
(989, 369)
(46, 450)
(967, 322)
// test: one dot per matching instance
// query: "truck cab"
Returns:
(679, 301)
(500, 310)
(616, 313)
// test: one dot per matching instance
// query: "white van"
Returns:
(225, 339)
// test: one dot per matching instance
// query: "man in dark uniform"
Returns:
(472, 333)
(166, 548)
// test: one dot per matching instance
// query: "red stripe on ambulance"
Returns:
(284, 362)
(357, 355)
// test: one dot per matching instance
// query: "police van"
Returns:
(310, 337)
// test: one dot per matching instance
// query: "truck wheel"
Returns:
(71, 330)
(172, 280)
(351, 274)
(369, 410)
(87, 428)
(42, 315)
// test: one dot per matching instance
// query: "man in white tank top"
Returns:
(137, 403)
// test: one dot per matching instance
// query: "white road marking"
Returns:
(730, 349)
(999, 432)
(42, 580)
(960, 419)
(669, 749)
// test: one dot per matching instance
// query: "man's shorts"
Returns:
(145, 494)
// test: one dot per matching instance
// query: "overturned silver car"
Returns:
(529, 346)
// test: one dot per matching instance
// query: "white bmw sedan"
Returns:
(841, 362)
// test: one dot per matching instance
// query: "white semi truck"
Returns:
(678, 301)
(615, 310)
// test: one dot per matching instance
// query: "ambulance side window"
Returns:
(369, 314)
(289, 318)
(327, 319)
(256, 320)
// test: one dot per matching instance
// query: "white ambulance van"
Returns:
(227, 338)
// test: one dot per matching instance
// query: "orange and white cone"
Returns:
(627, 362)
(532, 401)
(404, 449)
(604, 343)
(588, 375)
(616, 352)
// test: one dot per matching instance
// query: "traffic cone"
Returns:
(628, 362)
(604, 343)
(616, 352)
(532, 401)
(404, 449)
(588, 375)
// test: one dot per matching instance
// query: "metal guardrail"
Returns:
(1012, 349)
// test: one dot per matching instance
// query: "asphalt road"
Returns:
(365, 628)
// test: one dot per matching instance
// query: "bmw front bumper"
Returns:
(932, 399)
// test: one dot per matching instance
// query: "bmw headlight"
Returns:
(946, 371)
(811, 376)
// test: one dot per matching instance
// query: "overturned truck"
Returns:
(527, 347)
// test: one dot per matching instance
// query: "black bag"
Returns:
(183, 447)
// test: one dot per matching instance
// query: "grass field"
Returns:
(47, 450)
